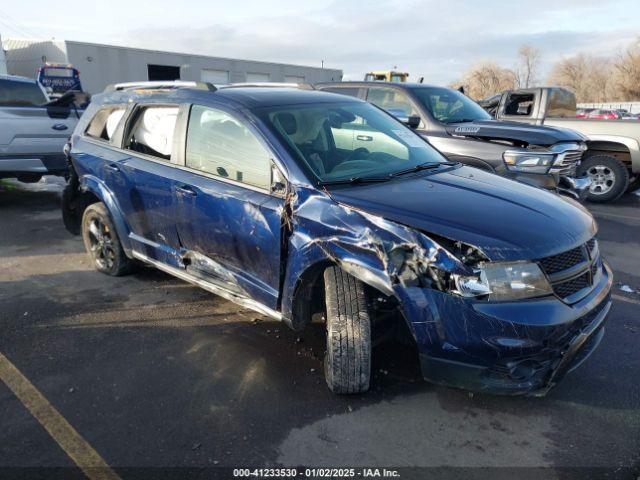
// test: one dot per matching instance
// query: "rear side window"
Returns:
(221, 145)
(152, 131)
(519, 104)
(104, 123)
(20, 94)
(393, 101)
(562, 104)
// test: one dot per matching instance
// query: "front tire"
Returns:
(609, 177)
(347, 362)
(102, 243)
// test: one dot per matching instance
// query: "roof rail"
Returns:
(160, 85)
(299, 85)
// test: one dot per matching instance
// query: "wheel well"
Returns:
(309, 298)
(74, 203)
(612, 149)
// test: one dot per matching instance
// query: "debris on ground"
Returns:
(196, 446)
(627, 289)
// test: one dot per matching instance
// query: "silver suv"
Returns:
(33, 130)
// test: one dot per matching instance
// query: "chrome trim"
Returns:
(210, 287)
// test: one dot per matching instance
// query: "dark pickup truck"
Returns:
(612, 160)
(542, 156)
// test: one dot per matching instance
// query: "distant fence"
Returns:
(631, 107)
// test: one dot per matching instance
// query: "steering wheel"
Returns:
(358, 151)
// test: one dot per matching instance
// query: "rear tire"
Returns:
(609, 177)
(347, 362)
(102, 242)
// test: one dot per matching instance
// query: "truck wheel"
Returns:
(609, 177)
(102, 243)
(347, 361)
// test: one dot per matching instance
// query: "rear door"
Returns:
(228, 220)
(144, 180)
(31, 135)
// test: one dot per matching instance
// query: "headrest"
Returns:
(288, 122)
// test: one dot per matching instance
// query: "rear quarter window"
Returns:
(15, 93)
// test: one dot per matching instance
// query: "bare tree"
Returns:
(588, 77)
(486, 78)
(627, 73)
(527, 67)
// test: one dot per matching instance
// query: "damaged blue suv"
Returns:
(295, 202)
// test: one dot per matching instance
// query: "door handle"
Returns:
(112, 167)
(186, 190)
(60, 126)
(364, 138)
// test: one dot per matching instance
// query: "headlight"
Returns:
(504, 281)
(531, 162)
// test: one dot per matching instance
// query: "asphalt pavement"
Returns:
(162, 380)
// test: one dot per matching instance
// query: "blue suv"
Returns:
(267, 197)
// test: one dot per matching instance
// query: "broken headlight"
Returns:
(504, 281)
(529, 162)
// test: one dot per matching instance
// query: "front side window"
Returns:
(450, 106)
(221, 145)
(152, 131)
(394, 101)
(21, 94)
(342, 141)
(104, 123)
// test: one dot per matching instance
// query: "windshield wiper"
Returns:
(353, 181)
(422, 166)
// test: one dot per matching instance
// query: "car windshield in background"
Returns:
(349, 141)
(14, 93)
(450, 106)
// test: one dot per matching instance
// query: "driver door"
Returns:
(228, 219)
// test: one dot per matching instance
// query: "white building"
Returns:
(3, 62)
(101, 65)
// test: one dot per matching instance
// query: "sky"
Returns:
(434, 39)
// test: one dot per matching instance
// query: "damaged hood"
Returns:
(507, 220)
(514, 131)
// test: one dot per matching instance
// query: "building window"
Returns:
(163, 73)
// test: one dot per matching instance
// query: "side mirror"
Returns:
(413, 122)
(278, 182)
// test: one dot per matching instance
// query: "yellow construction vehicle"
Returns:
(386, 76)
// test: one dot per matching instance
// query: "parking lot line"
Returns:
(626, 299)
(76, 447)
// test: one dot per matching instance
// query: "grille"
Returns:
(568, 163)
(584, 259)
(565, 289)
(562, 261)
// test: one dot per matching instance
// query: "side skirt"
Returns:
(210, 287)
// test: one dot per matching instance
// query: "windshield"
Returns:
(341, 141)
(450, 106)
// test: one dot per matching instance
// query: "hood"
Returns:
(514, 131)
(507, 220)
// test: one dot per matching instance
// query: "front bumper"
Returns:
(510, 348)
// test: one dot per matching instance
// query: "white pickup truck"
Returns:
(612, 160)
(33, 130)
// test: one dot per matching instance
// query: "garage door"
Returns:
(257, 77)
(220, 77)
